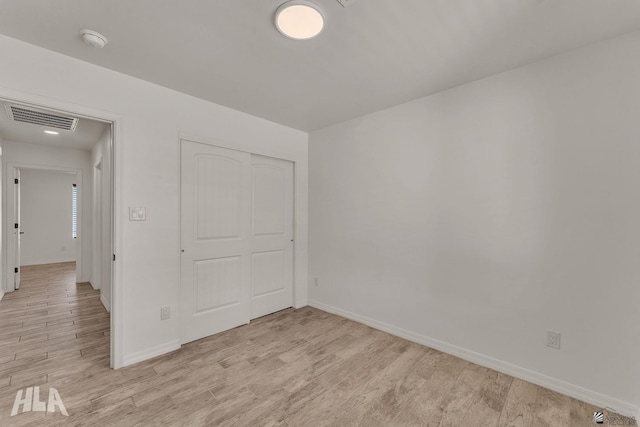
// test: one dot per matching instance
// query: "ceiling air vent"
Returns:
(41, 117)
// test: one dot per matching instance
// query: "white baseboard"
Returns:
(572, 390)
(104, 302)
(1, 294)
(149, 353)
(49, 261)
(300, 304)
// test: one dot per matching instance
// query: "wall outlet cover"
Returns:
(553, 339)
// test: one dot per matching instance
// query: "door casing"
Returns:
(115, 184)
(13, 171)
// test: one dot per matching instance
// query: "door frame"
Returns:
(96, 229)
(9, 189)
(300, 205)
(116, 200)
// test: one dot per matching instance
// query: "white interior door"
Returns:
(215, 239)
(271, 235)
(17, 234)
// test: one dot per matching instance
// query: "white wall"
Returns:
(478, 218)
(51, 158)
(151, 120)
(45, 216)
(1, 221)
(101, 218)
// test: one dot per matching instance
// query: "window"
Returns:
(74, 210)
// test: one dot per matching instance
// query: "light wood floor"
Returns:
(293, 368)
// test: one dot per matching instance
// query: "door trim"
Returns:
(117, 201)
(9, 207)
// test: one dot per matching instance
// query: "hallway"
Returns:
(50, 329)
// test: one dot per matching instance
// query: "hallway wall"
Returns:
(38, 156)
(46, 217)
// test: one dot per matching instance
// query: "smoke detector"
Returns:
(93, 38)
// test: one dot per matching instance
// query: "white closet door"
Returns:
(216, 239)
(271, 235)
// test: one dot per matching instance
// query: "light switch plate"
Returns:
(165, 312)
(137, 214)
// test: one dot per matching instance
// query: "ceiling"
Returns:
(84, 137)
(372, 54)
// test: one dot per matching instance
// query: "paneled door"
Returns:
(215, 239)
(271, 235)
(236, 238)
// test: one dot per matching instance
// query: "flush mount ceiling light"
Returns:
(93, 38)
(299, 19)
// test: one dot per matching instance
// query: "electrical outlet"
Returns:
(553, 339)
(165, 312)
(316, 282)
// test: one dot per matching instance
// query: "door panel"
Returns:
(272, 235)
(268, 272)
(269, 202)
(218, 197)
(215, 239)
(218, 283)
